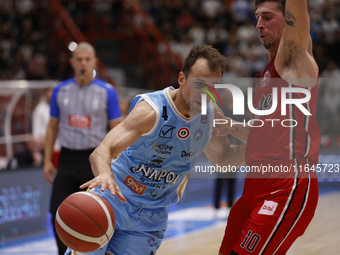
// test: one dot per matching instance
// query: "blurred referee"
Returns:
(81, 109)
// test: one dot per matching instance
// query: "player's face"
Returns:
(83, 60)
(270, 23)
(200, 78)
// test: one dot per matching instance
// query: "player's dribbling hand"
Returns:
(106, 181)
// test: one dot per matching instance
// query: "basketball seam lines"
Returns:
(86, 215)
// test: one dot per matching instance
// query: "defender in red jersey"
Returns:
(276, 208)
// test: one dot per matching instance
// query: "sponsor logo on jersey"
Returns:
(155, 195)
(156, 174)
(268, 208)
(155, 161)
(134, 185)
(198, 134)
(162, 148)
(183, 133)
(166, 131)
(82, 121)
(266, 79)
(265, 103)
(152, 242)
(189, 154)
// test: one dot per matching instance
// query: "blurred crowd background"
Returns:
(29, 49)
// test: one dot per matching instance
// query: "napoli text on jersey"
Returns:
(154, 170)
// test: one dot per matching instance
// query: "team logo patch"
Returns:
(152, 242)
(166, 131)
(268, 208)
(204, 119)
(266, 79)
(183, 133)
(198, 134)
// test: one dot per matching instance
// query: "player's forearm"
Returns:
(233, 156)
(241, 132)
(236, 156)
(100, 160)
(217, 149)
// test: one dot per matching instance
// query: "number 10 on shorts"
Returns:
(250, 241)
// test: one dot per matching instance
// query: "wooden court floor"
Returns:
(322, 237)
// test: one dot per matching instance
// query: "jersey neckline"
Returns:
(174, 107)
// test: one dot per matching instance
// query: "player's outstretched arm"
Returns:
(139, 121)
(294, 61)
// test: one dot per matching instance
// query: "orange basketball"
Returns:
(85, 221)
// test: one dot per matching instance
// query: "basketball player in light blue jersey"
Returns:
(153, 149)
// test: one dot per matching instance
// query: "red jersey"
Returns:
(290, 136)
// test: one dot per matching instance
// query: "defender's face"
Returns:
(270, 23)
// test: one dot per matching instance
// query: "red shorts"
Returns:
(271, 213)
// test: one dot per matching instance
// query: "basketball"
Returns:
(85, 221)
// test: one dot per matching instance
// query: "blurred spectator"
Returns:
(37, 67)
(41, 117)
(333, 49)
(241, 11)
(185, 20)
(197, 33)
(329, 27)
(330, 102)
(183, 47)
(17, 69)
(29, 156)
(247, 32)
(216, 30)
(24, 7)
(211, 8)
(320, 57)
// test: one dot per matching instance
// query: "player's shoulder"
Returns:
(161, 96)
(144, 114)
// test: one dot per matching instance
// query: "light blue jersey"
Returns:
(153, 171)
(152, 174)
